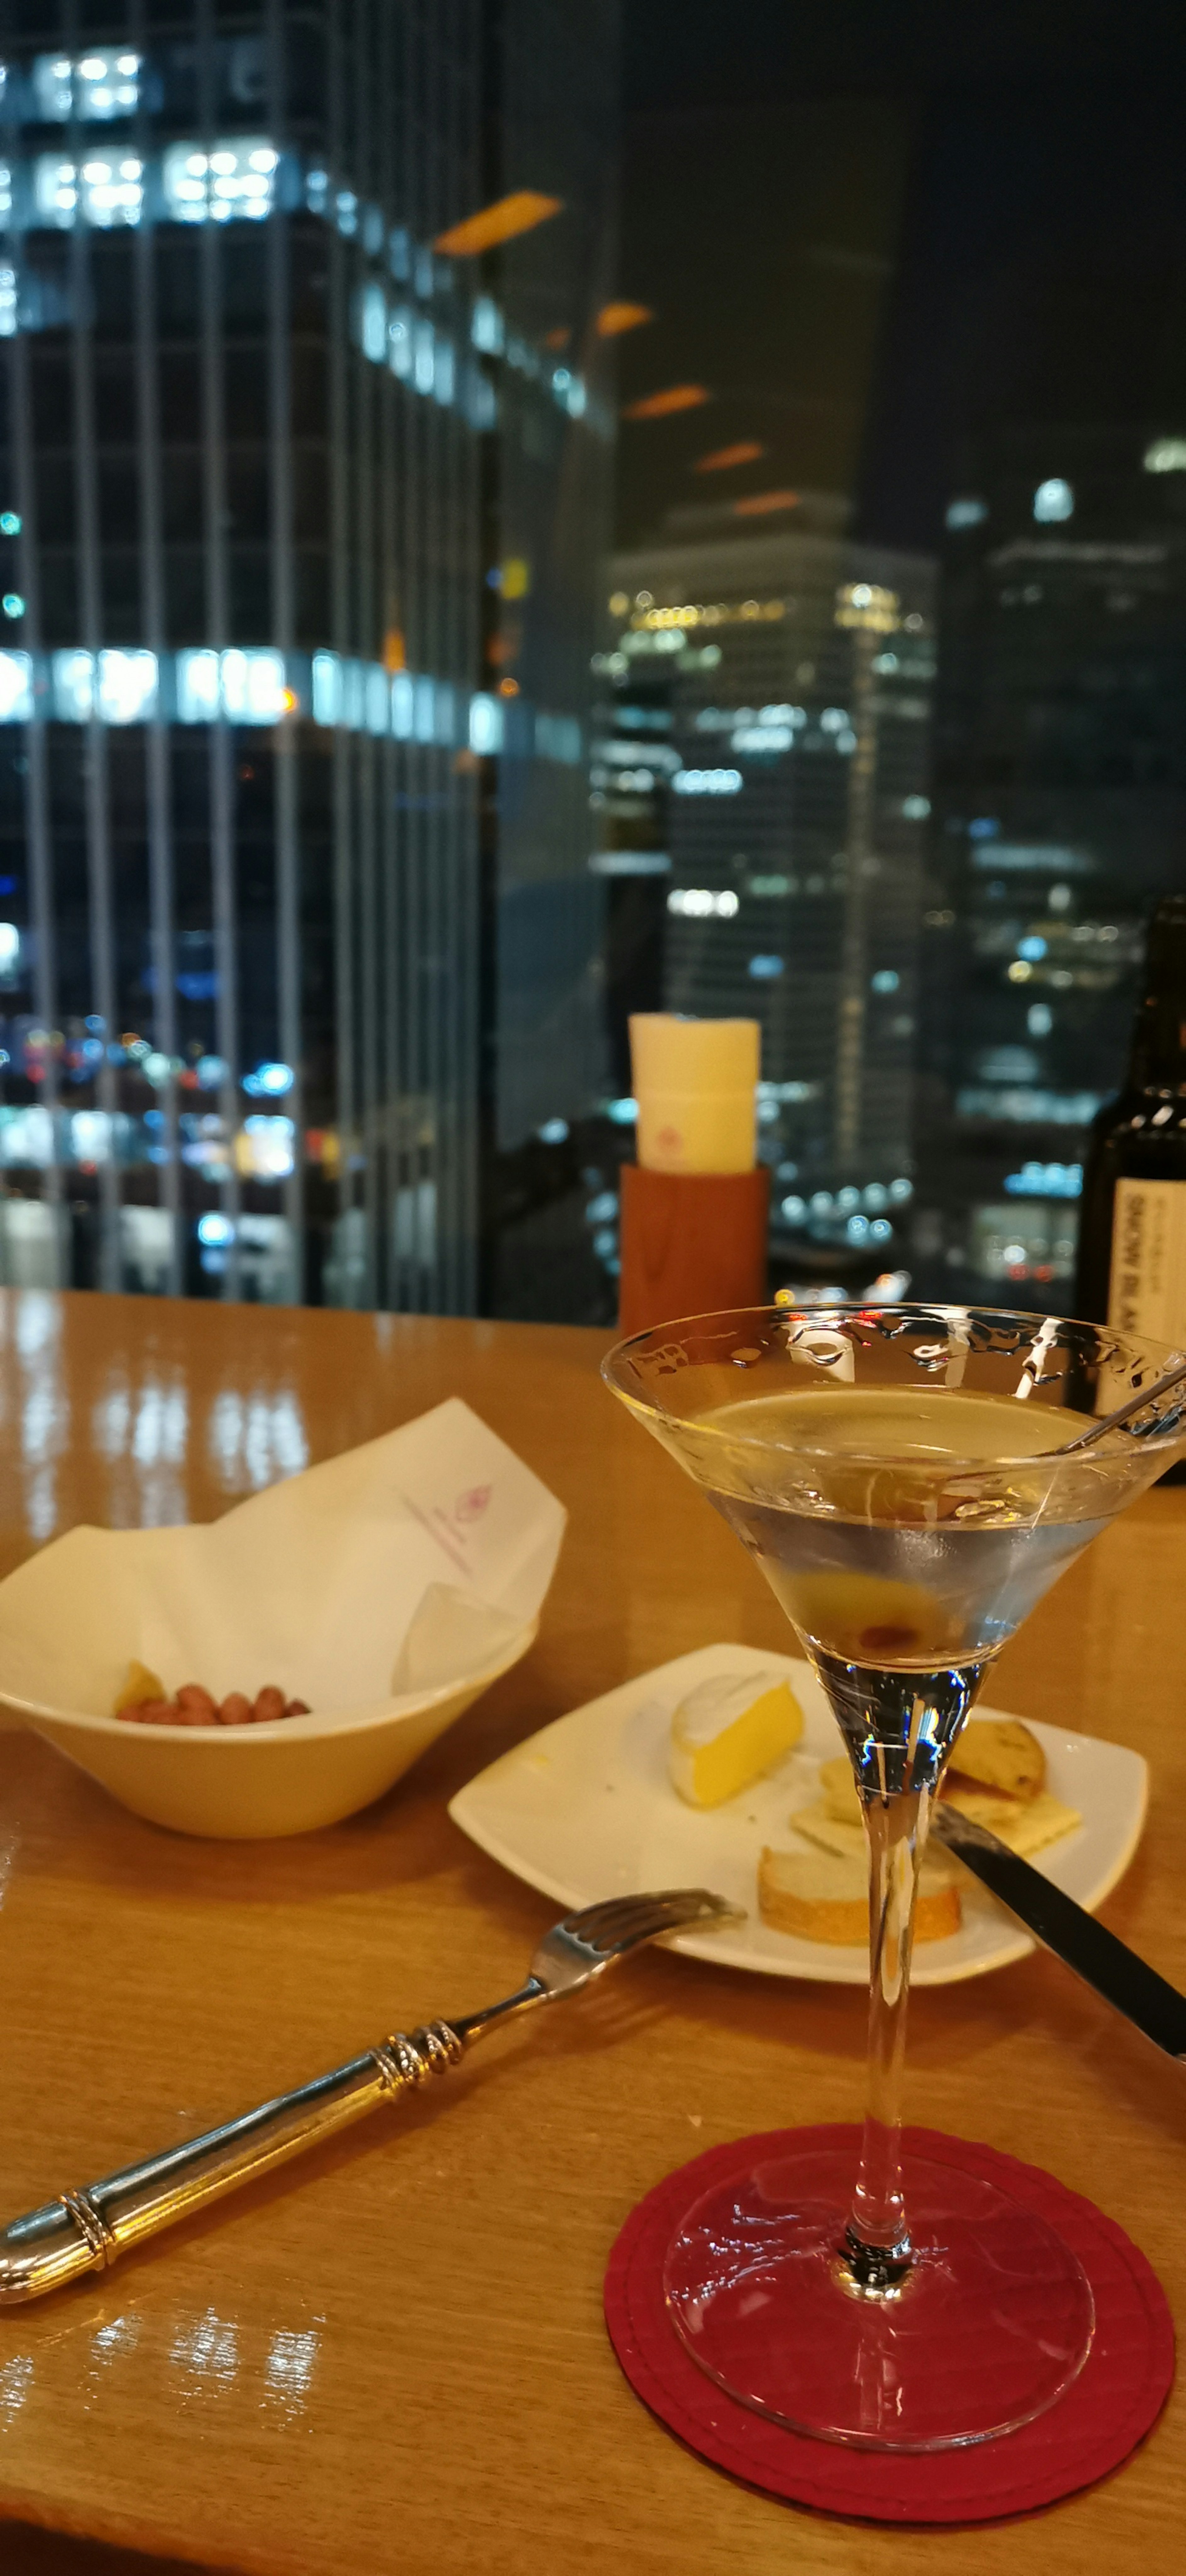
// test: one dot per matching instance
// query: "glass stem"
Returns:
(877, 2245)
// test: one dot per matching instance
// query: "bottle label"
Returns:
(1147, 1288)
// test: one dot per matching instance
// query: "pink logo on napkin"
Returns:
(470, 1507)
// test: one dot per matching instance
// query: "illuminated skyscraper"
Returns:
(301, 492)
(783, 686)
(1060, 817)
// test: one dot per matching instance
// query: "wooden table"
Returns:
(393, 2359)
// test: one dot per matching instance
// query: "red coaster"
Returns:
(1114, 2402)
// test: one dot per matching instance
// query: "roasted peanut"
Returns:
(235, 1710)
(194, 1705)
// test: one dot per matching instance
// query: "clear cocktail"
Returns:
(899, 1477)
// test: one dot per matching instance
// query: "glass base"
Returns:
(992, 2322)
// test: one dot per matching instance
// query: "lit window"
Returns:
(269, 1081)
(267, 1148)
(403, 706)
(915, 809)
(965, 514)
(765, 970)
(1053, 500)
(763, 738)
(485, 725)
(487, 328)
(378, 699)
(235, 181)
(703, 903)
(707, 782)
(327, 689)
(55, 190)
(399, 342)
(885, 981)
(8, 309)
(1166, 456)
(253, 687)
(424, 726)
(127, 687)
(372, 324)
(444, 370)
(16, 688)
(353, 688)
(197, 687)
(94, 89)
(10, 950)
(12, 604)
(73, 686)
(104, 192)
(423, 358)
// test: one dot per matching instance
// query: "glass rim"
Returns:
(844, 1309)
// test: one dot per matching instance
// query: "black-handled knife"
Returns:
(1094, 1953)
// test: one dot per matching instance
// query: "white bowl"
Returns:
(247, 1782)
(386, 1588)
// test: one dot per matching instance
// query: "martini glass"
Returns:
(896, 1474)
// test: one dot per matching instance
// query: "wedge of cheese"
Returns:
(822, 1896)
(728, 1731)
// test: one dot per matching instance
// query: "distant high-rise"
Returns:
(303, 483)
(1060, 817)
(766, 780)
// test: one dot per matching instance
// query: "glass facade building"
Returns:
(764, 793)
(1060, 818)
(299, 519)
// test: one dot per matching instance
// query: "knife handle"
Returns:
(87, 2230)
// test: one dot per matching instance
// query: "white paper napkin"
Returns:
(391, 1571)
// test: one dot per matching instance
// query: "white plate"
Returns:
(585, 1809)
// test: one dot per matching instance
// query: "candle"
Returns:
(695, 1083)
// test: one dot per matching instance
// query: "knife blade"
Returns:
(1124, 1980)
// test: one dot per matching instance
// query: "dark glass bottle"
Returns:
(1132, 1235)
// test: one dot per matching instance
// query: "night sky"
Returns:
(875, 232)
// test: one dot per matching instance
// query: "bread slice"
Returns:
(838, 1789)
(823, 1896)
(1000, 1753)
(848, 1842)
